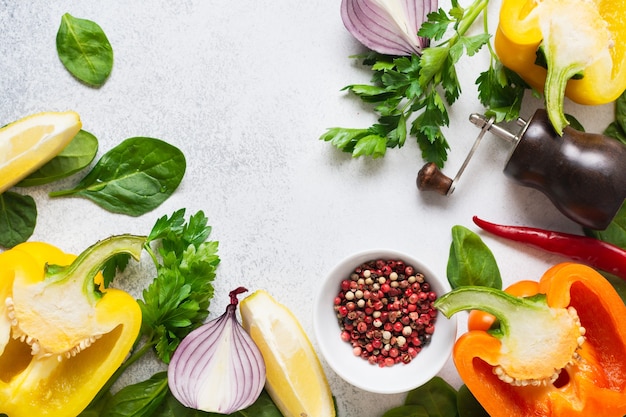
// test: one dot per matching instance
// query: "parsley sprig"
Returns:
(411, 94)
(175, 303)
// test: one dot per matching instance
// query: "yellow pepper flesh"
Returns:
(584, 37)
(53, 384)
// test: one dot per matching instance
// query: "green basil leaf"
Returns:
(138, 400)
(471, 262)
(468, 405)
(133, 178)
(84, 50)
(407, 411)
(437, 397)
(18, 216)
(75, 156)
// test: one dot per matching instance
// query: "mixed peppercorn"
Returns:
(385, 311)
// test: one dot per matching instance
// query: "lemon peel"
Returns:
(30, 142)
(295, 377)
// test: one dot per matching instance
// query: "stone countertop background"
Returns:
(245, 89)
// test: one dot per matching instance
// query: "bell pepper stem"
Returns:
(537, 340)
(554, 92)
(89, 262)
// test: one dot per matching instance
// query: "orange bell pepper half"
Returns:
(574, 328)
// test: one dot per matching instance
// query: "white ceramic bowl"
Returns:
(358, 371)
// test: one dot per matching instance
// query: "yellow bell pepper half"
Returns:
(583, 43)
(62, 335)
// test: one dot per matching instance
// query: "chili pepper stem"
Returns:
(537, 341)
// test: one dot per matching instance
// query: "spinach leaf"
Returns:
(407, 411)
(468, 405)
(471, 262)
(617, 129)
(138, 400)
(615, 233)
(262, 407)
(133, 178)
(437, 397)
(18, 216)
(75, 156)
(84, 50)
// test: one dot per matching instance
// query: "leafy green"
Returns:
(406, 411)
(175, 303)
(471, 262)
(617, 129)
(411, 94)
(615, 233)
(133, 178)
(468, 405)
(84, 50)
(177, 300)
(140, 399)
(18, 217)
(75, 156)
(437, 398)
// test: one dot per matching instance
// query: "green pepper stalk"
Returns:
(537, 341)
(570, 45)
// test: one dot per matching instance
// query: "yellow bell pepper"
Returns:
(62, 334)
(583, 43)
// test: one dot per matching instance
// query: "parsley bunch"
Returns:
(175, 303)
(412, 93)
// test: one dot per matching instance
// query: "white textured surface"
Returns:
(245, 89)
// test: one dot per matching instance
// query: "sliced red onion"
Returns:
(388, 26)
(217, 367)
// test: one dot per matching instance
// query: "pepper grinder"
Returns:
(583, 174)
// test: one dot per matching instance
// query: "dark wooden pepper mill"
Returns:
(583, 174)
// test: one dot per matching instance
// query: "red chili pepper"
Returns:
(588, 250)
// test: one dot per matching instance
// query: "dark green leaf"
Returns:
(407, 411)
(437, 397)
(75, 156)
(471, 262)
(138, 400)
(370, 93)
(615, 233)
(96, 408)
(620, 111)
(619, 284)
(18, 217)
(114, 265)
(501, 91)
(177, 301)
(84, 50)
(133, 178)
(574, 123)
(615, 131)
(262, 407)
(468, 405)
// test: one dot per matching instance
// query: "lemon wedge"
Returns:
(295, 378)
(28, 143)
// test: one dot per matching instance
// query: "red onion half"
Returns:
(217, 367)
(388, 26)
